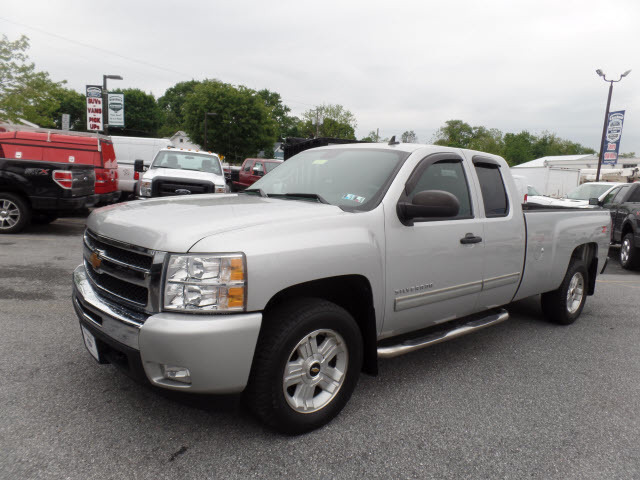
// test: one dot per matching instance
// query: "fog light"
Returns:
(178, 374)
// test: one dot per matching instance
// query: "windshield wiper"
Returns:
(313, 196)
(259, 191)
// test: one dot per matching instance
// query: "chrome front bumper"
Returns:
(217, 349)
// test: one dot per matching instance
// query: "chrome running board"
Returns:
(413, 344)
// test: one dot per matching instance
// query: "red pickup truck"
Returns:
(68, 148)
(252, 170)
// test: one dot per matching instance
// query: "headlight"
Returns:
(220, 189)
(202, 282)
(145, 188)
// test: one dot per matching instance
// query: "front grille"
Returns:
(116, 287)
(117, 253)
(125, 274)
(166, 188)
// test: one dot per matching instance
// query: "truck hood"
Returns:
(178, 174)
(175, 224)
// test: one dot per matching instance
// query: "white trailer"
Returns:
(550, 181)
(130, 149)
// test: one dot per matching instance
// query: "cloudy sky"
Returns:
(404, 65)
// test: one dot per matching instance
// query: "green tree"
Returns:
(455, 133)
(24, 92)
(487, 140)
(72, 103)
(287, 124)
(332, 121)
(172, 106)
(518, 147)
(626, 155)
(242, 125)
(409, 136)
(142, 115)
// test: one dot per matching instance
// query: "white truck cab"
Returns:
(182, 172)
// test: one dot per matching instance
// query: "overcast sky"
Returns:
(404, 65)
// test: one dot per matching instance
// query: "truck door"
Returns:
(607, 203)
(245, 173)
(503, 233)
(433, 267)
(619, 212)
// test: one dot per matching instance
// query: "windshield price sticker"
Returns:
(354, 198)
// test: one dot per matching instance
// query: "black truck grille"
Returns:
(120, 272)
(166, 188)
(115, 287)
(125, 256)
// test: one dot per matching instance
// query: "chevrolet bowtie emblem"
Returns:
(95, 260)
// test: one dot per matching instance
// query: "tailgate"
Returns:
(83, 180)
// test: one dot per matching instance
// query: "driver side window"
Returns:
(448, 176)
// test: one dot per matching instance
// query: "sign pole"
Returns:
(604, 132)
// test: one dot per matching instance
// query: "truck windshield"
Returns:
(587, 191)
(187, 161)
(354, 179)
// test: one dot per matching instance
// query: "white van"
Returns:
(129, 149)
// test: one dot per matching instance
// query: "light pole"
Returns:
(206, 115)
(105, 100)
(606, 115)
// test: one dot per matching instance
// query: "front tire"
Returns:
(629, 255)
(306, 365)
(15, 213)
(564, 305)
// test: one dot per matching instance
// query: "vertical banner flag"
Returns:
(94, 108)
(611, 145)
(115, 102)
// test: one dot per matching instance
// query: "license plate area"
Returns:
(90, 343)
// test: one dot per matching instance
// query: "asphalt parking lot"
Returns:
(522, 399)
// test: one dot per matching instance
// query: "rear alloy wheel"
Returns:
(15, 213)
(564, 305)
(306, 365)
(628, 253)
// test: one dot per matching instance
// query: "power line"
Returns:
(131, 59)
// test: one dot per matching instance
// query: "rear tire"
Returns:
(306, 365)
(15, 213)
(629, 255)
(564, 305)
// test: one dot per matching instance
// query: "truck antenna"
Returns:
(393, 141)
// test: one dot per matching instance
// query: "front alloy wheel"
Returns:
(315, 371)
(306, 365)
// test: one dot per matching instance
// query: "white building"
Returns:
(626, 170)
(181, 140)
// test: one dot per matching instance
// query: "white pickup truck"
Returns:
(181, 172)
(341, 256)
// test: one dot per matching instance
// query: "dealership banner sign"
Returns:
(115, 103)
(611, 145)
(94, 108)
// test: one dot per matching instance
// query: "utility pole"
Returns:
(606, 116)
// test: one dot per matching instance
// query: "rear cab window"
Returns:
(494, 193)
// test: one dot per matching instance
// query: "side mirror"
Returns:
(429, 204)
(594, 201)
(259, 173)
(138, 166)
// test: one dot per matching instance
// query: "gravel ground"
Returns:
(522, 399)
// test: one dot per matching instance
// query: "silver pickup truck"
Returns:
(340, 257)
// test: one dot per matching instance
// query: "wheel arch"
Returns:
(351, 292)
(588, 254)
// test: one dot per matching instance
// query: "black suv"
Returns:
(624, 203)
